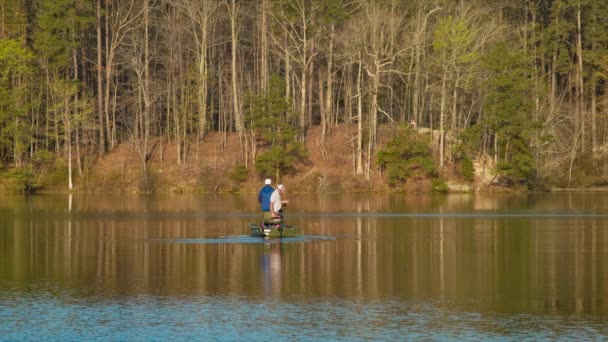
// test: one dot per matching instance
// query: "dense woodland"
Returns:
(519, 82)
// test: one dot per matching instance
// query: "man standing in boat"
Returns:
(276, 204)
(264, 199)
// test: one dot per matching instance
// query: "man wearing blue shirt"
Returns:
(264, 199)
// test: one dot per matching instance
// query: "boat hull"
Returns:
(265, 231)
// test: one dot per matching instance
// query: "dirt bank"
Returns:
(328, 167)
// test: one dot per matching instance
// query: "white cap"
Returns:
(267, 181)
(281, 187)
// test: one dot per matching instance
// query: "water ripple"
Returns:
(153, 318)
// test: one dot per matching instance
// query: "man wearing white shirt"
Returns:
(276, 204)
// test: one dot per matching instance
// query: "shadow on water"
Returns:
(246, 239)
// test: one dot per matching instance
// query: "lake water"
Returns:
(366, 267)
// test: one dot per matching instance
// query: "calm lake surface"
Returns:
(366, 267)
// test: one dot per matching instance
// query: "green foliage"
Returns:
(596, 36)
(454, 40)
(439, 185)
(268, 115)
(469, 141)
(520, 168)
(507, 110)
(16, 71)
(15, 24)
(15, 59)
(278, 159)
(405, 156)
(467, 170)
(57, 176)
(333, 12)
(21, 180)
(268, 118)
(60, 24)
(488, 84)
(467, 145)
(42, 159)
(239, 174)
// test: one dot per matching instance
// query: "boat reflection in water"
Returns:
(490, 264)
(271, 268)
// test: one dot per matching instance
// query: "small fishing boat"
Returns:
(272, 231)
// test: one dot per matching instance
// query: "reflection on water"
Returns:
(227, 318)
(459, 266)
(239, 239)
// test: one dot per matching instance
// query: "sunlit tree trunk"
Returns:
(77, 113)
(287, 76)
(375, 87)
(263, 31)
(359, 120)
(594, 142)
(122, 17)
(322, 109)
(146, 64)
(441, 122)
(68, 141)
(203, 73)
(233, 10)
(327, 116)
(580, 73)
(2, 19)
(100, 107)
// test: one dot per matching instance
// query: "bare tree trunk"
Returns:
(16, 154)
(2, 19)
(373, 124)
(287, 75)
(47, 119)
(108, 81)
(536, 76)
(114, 138)
(329, 94)
(454, 126)
(594, 143)
(417, 88)
(348, 94)
(430, 109)
(264, 46)
(580, 85)
(144, 91)
(77, 109)
(417, 104)
(121, 18)
(605, 136)
(309, 94)
(441, 122)
(305, 59)
(573, 156)
(146, 85)
(322, 109)
(234, 36)
(359, 120)
(495, 148)
(100, 111)
(203, 74)
(201, 13)
(303, 92)
(553, 81)
(111, 127)
(68, 139)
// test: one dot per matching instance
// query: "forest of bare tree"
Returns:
(518, 84)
